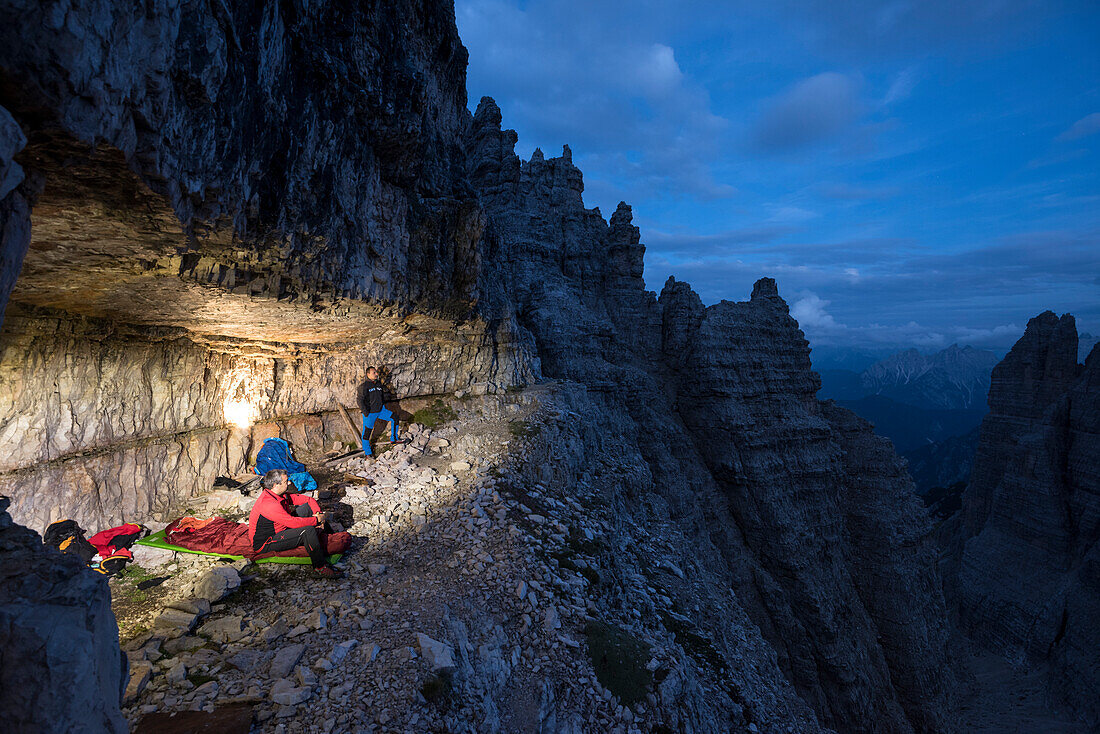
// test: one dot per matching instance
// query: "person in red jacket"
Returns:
(279, 522)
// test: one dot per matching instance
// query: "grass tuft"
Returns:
(522, 429)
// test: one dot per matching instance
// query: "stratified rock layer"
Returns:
(1025, 566)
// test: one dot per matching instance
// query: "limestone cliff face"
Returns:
(1025, 562)
(810, 514)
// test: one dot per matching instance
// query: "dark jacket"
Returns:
(370, 397)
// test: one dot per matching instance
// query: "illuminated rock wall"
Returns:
(106, 423)
(210, 207)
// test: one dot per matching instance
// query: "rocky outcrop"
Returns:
(62, 670)
(722, 404)
(1025, 562)
(827, 510)
(1035, 374)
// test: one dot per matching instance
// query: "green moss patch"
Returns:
(619, 659)
(135, 574)
(522, 429)
(695, 644)
(434, 415)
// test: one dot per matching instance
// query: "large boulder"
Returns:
(61, 669)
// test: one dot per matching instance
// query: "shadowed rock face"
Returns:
(826, 549)
(846, 587)
(62, 669)
(1025, 562)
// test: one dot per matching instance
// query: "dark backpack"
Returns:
(68, 537)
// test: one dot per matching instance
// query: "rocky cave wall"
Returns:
(203, 200)
(107, 423)
(1023, 560)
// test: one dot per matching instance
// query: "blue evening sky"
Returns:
(911, 173)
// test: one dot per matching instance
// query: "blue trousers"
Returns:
(368, 426)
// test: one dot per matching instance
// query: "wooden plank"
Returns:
(351, 424)
(337, 459)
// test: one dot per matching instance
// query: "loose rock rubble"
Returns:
(466, 606)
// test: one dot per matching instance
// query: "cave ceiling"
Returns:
(105, 246)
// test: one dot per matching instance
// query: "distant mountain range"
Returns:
(956, 378)
(928, 405)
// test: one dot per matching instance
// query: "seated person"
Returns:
(280, 522)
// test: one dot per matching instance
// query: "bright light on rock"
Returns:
(239, 413)
(237, 407)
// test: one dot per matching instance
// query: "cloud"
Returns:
(895, 293)
(717, 243)
(813, 110)
(1055, 159)
(809, 312)
(1088, 125)
(863, 29)
(997, 336)
(787, 214)
(821, 328)
(901, 87)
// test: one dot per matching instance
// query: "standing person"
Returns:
(281, 522)
(371, 401)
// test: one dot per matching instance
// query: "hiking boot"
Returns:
(329, 572)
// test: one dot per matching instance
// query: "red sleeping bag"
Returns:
(219, 535)
(117, 540)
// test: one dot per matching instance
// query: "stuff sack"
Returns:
(275, 454)
(68, 537)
